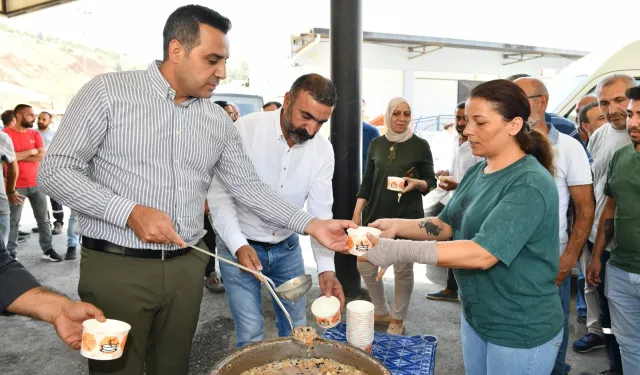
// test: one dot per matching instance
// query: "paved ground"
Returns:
(30, 347)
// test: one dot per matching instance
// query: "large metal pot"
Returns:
(264, 352)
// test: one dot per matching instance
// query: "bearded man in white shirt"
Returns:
(288, 157)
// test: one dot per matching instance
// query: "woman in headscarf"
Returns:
(399, 153)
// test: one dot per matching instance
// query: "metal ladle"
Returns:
(291, 290)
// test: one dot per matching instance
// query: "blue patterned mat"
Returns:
(402, 355)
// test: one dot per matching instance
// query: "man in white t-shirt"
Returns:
(603, 144)
(462, 159)
(574, 182)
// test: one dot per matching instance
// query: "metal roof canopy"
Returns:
(12, 8)
(421, 45)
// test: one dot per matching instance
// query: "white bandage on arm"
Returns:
(388, 252)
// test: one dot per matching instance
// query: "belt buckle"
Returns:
(163, 252)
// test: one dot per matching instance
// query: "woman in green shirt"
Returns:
(503, 220)
(399, 153)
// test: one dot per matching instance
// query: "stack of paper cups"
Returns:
(360, 324)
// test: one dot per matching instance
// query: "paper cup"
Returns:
(395, 183)
(360, 307)
(358, 243)
(326, 311)
(104, 341)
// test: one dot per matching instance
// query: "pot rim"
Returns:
(237, 353)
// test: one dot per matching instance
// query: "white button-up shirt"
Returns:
(301, 174)
(463, 159)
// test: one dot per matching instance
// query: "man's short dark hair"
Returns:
(47, 113)
(513, 77)
(582, 115)
(320, 88)
(633, 93)
(222, 103)
(460, 105)
(7, 117)
(184, 26)
(19, 108)
(278, 105)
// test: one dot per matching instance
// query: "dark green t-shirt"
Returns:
(623, 185)
(513, 214)
(383, 203)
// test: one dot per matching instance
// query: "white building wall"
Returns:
(429, 82)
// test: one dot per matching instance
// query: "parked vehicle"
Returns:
(581, 77)
(246, 103)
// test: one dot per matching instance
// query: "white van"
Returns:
(581, 77)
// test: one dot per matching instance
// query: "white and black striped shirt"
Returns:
(124, 141)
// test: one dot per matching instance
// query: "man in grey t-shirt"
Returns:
(7, 156)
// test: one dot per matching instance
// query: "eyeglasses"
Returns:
(534, 96)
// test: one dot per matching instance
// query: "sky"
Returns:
(135, 27)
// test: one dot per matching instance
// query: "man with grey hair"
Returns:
(603, 144)
(560, 123)
(574, 183)
(288, 157)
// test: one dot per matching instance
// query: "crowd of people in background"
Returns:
(23, 149)
(526, 196)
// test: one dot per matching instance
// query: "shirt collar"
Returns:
(161, 85)
(553, 134)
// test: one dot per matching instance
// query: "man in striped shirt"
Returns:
(135, 155)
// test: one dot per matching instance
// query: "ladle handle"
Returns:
(286, 313)
(259, 274)
(267, 280)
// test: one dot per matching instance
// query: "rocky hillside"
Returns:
(47, 72)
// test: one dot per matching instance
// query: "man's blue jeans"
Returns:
(484, 358)
(623, 292)
(72, 236)
(564, 291)
(281, 263)
(581, 305)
